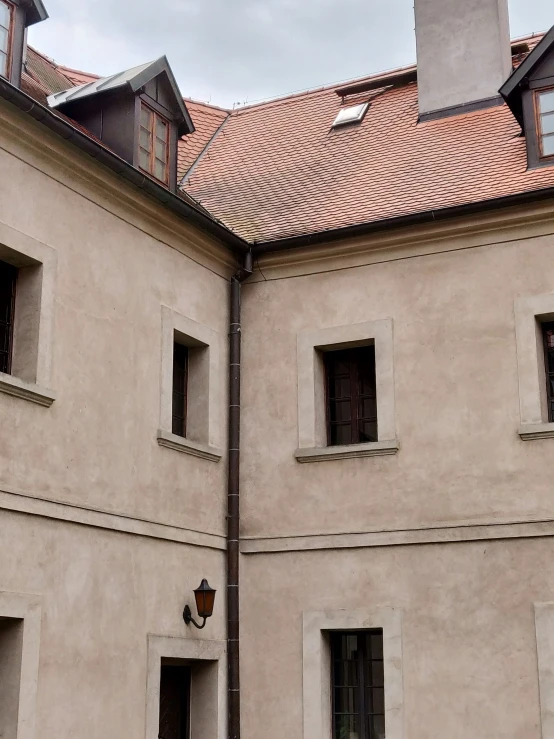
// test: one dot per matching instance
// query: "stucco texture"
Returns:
(456, 386)
(112, 279)
(468, 632)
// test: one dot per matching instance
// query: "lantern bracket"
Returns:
(188, 619)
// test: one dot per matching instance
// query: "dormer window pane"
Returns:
(153, 144)
(547, 123)
(545, 113)
(546, 102)
(5, 26)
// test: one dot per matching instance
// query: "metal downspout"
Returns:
(233, 500)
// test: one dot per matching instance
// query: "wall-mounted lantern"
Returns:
(204, 596)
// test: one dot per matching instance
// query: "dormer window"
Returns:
(139, 114)
(6, 13)
(154, 144)
(544, 101)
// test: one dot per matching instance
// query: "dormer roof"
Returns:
(511, 89)
(133, 79)
(35, 11)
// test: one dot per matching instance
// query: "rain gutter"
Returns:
(414, 219)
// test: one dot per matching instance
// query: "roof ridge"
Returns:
(386, 73)
(206, 105)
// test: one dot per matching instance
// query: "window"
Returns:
(8, 279)
(352, 114)
(358, 689)
(548, 338)
(544, 102)
(351, 396)
(154, 144)
(174, 702)
(6, 10)
(180, 382)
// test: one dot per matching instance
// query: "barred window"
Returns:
(8, 280)
(548, 337)
(180, 384)
(358, 686)
(174, 702)
(351, 396)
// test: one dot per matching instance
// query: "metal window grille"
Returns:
(358, 685)
(351, 396)
(180, 383)
(548, 337)
(8, 280)
(174, 702)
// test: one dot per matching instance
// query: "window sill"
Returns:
(330, 453)
(26, 390)
(536, 431)
(180, 444)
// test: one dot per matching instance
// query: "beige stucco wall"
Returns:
(115, 270)
(464, 488)
(456, 390)
(468, 632)
(102, 594)
(109, 531)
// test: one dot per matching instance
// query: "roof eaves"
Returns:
(98, 151)
(411, 219)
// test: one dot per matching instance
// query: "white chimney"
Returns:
(463, 51)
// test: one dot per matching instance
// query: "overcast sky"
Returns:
(237, 51)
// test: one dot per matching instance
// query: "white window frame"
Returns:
(30, 377)
(208, 694)
(530, 312)
(317, 625)
(26, 608)
(204, 394)
(312, 426)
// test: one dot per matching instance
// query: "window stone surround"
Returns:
(530, 312)
(34, 316)
(312, 433)
(208, 687)
(317, 666)
(204, 401)
(26, 609)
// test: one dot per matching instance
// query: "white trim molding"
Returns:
(544, 628)
(30, 375)
(204, 401)
(317, 666)
(208, 689)
(25, 608)
(311, 345)
(530, 312)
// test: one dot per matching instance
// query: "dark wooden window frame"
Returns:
(180, 389)
(353, 357)
(548, 368)
(155, 116)
(8, 286)
(369, 692)
(10, 30)
(538, 115)
(174, 722)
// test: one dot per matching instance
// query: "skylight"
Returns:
(353, 114)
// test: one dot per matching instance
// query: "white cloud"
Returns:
(237, 50)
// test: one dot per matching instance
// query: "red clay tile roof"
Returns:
(76, 76)
(278, 169)
(302, 176)
(207, 119)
